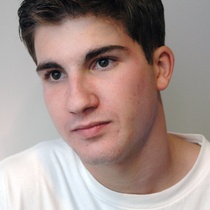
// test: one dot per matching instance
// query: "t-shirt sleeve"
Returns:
(3, 192)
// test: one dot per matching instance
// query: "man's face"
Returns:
(99, 89)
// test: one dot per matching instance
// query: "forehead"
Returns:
(76, 36)
(81, 26)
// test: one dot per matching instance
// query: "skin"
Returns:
(104, 99)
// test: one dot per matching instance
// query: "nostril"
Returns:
(83, 103)
(89, 109)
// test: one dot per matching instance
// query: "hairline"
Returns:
(69, 17)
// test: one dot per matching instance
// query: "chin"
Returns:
(101, 157)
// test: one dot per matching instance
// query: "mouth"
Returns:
(90, 130)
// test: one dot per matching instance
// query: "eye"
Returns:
(54, 75)
(104, 63)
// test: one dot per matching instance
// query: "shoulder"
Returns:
(36, 157)
(38, 175)
(192, 138)
(192, 146)
(192, 154)
(194, 150)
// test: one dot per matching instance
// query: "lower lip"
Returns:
(92, 131)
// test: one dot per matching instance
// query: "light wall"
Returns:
(24, 120)
(187, 100)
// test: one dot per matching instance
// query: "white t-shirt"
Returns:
(50, 176)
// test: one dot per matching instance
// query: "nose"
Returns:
(81, 97)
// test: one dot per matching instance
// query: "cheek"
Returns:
(131, 91)
(136, 98)
(49, 98)
(54, 101)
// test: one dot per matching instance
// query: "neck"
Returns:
(139, 175)
(147, 171)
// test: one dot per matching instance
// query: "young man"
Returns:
(103, 64)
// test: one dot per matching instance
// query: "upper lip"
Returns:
(89, 125)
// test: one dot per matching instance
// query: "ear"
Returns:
(163, 61)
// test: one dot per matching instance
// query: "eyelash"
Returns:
(108, 58)
(47, 75)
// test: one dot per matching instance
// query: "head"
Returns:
(142, 20)
(102, 65)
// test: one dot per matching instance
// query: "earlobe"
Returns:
(164, 64)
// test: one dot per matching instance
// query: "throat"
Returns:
(147, 174)
(142, 175)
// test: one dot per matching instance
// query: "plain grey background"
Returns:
(24, 120)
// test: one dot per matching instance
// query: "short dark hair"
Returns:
(143, 20)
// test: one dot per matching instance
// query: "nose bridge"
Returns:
(80, 96)
(76, 84)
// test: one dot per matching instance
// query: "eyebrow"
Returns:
(90, 55)
(48, 65)
(98, 51)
